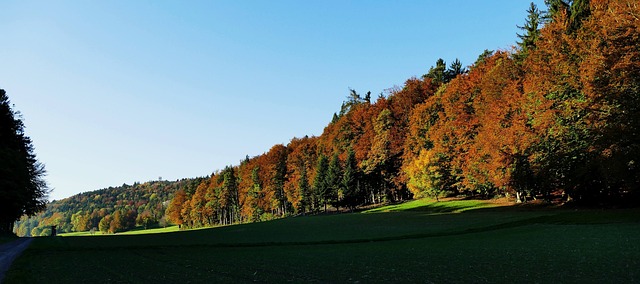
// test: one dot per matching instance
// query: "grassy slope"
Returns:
(132, 232)
(482, 245)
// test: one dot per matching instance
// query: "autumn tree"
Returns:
(483, 56)
(146, 219)
(377, 167)
(105, 224)
(80, 221)
(175, 208)
(428, 175)
(601, 112)
(611, 75)
(197, 205)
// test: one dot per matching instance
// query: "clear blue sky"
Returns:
(116, 92)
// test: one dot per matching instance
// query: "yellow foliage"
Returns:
(425, 174)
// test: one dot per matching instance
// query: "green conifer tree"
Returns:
(23, 190)
(334, 177)
(531, 29)
(350, 181)
(320, 187)
(304, 190)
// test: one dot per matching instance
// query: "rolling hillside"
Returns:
(122, 207)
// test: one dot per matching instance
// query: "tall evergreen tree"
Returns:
(320, 187)
(554, 7)
(279, 179)
(580, 10)
(230, 189)
(23, 190)
(455, 69)
(303, 190)
(576, 10)
(531, 29)
(350, 181)
(255, 194)
(334, 176)
(437, 73)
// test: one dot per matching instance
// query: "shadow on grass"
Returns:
(525, 215)
(6, 238)
(553, 217)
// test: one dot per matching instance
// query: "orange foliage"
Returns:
(567, 107)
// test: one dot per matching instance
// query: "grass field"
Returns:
(6, 239)
(139, 231)
(419, 241)
(427, 205)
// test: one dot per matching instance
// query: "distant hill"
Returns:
(111, 209)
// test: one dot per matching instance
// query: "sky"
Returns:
(115, 92)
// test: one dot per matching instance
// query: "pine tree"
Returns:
(303, 189)
(230, 188)
(255, 194)
(334, 176)
(554, 7)
(531, 29)
(576, 10)
(335, 118)
(320, 188)
(279, 178)
(22, 187)
(438, 73)
(580, 10)
(350, 181)
(454, 70)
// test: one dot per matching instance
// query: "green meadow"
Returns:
(421, 241)
(138, 231)
(6, 239)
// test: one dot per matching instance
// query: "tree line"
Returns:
(554, 117)
(109, 210)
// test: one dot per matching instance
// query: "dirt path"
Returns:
(10, 251)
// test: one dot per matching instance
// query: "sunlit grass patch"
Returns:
(433, 206)
(139, 231)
